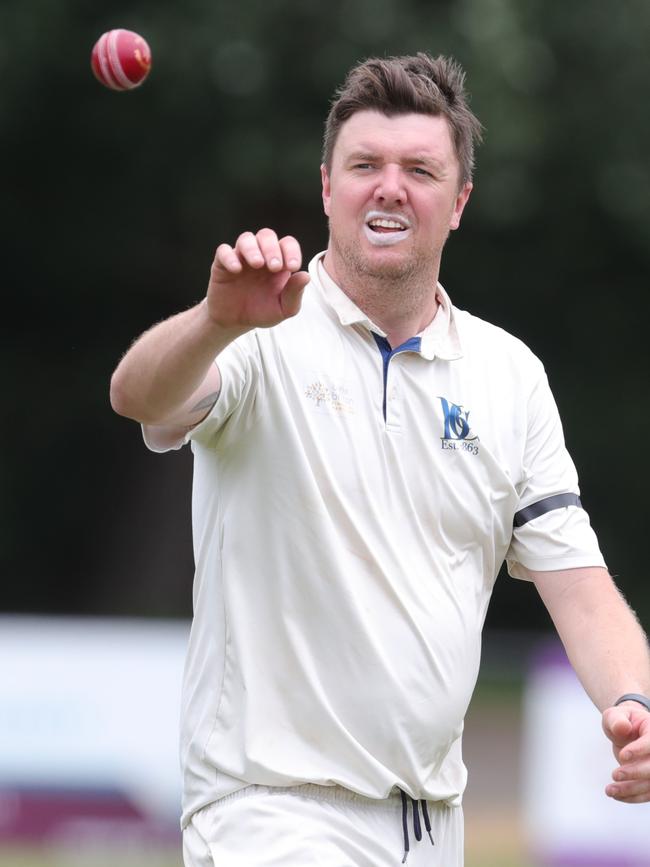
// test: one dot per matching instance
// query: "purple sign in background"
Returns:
(44, 815)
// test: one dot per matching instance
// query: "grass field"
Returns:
(23, 858)
(494, 842)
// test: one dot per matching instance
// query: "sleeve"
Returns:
(236, 408)
(551, 529)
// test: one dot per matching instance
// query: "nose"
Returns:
(390, 187)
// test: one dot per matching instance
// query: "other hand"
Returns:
(628, 728)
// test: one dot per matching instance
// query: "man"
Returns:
(365, 459)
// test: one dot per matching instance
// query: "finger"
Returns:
(291, 253)
(268, 243)
(291, 297)
(249, 250)
(631, 792)
(638, 749)
(638, 771)
(227, 259)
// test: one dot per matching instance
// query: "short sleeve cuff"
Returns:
(559, 539)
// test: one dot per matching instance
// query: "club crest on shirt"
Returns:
(457, 433)
(329, 396)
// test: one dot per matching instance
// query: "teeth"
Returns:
(386, 224)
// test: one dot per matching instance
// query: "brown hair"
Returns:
(404, 85)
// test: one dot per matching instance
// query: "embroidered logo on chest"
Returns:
(457, 432)
(326, 395)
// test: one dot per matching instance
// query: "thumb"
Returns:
(291, 298)
(618, 726)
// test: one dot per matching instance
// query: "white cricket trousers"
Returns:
(318, 826)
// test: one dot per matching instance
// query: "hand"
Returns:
(257, 283)
(628, 728)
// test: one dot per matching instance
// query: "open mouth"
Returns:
(381, 226)
(382, 229)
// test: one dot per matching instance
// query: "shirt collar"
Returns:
(439, 339)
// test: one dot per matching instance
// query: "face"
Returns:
(392, 195)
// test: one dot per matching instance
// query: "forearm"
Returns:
(168, 378)
(602, 637)
(165, 367)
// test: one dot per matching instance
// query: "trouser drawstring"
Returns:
(417, 827)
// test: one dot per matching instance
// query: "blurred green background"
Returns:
(113, 204)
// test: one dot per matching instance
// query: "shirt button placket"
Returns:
(393, 413)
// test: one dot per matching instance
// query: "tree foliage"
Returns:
(114, 203)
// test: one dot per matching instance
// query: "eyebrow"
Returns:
(361, 157)
(415, 159)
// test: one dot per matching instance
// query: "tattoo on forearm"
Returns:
(207, 402)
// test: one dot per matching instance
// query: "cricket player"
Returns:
(366, 456)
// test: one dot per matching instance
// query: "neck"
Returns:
(402, 306)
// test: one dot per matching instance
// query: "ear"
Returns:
(327, 191)
(459, 204)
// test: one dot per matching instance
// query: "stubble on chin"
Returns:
(401, 281)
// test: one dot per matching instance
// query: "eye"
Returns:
(362, 166)
(418, 170)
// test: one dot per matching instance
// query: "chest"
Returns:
(427, 435)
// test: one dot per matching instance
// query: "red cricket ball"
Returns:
(121, 59)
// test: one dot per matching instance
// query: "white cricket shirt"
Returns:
(351, 510)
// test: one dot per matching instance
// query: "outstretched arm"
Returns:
(168, 378)
(609, 652)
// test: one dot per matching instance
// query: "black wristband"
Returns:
(633, 696)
